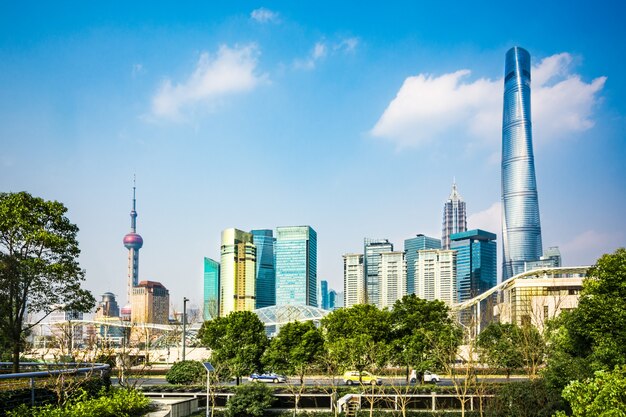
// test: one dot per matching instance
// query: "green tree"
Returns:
(601, 396)
(295, 349)
(186, 372)
(237, 341)
(417, 325)
(358, 337)
(38, 265)
(250, 400)
(499, 346)
(591, 337)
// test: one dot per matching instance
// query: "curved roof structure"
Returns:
(279, 315)
(557, 272)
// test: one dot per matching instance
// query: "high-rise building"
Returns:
(150, 303)
(392, 272)
(211, 300)
(353, 279)
(237, 272)
(265, 271)
(521, 228)
(332, 299)
(296, 266)
(551, 259)
(133, 242)
(372, 250)
(108, 306)
(411, 248)
(435, 275)
(63, 327)
(454, 217)
(324, 295)
(476, 262)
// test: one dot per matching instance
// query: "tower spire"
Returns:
(133, 242)
(133, 212)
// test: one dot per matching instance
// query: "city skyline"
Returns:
(353, 123)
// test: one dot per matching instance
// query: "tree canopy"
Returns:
(237, 341)
(39, 268)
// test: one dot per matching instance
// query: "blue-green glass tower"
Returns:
(521, 228)
(211, 300)
(476, 263)
(324, 293)
(411, 246)
(265, 272)
(296, 266)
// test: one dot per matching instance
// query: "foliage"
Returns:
(112, 403)
(499, 346)
(250, 400)
(237, 341)
(602, 396)
(186, 372)
(38, 265)
(357, 337)
(591, 337)
(418, 326)
(531, 398)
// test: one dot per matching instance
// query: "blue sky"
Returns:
(352, 118)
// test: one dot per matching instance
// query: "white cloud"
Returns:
(322, 49)
(230, 71)
(263, 15)
(489, 219)
(587, 247)
(430, 107)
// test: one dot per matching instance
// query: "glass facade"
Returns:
(454, 217)
(296, 266)
(476, 264)
(324, 294)
(411, 246)
(521, 228)
(371, 261)
(211, 300)
(265, 272)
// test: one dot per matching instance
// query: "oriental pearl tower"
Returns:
(133, 242)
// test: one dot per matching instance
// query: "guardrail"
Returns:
(47, 370)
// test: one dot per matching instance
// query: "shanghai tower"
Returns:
(521, 228)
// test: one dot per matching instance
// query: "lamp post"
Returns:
(209, 368)
(185, 299)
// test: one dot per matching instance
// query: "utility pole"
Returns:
(185, 299)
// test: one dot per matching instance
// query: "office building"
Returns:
(371, 261)
(237, 272)
(211, 299)
(476, 262)
(392, 272)
(108, 306)
(324, 294)
(133, 242)
(551, 259)
(435, 275)
(296, 266)
(521, 228)
(353, 279)
(265, 271)
(411, 248)
(150, 303)
(454, 217)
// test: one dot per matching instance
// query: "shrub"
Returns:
(250, 400)
(186, 372)
(533, 398)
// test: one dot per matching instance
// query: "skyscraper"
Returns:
(211, 301)
(265, 271)
(435, 275)
(392, 272)
(454, 217)
(296, 266)
(411, 246)
(476, 264)
(133, 242)
(237, 272)
(353, 279)
(324, 294)
(372, 250)
(150, 303)
(521, 228)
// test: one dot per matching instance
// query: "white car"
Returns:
(428, 377)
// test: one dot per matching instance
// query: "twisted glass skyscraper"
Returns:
(521, 229)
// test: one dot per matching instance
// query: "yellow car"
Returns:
(352, 377)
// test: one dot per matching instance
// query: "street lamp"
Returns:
(209, 368)
(185, 299)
